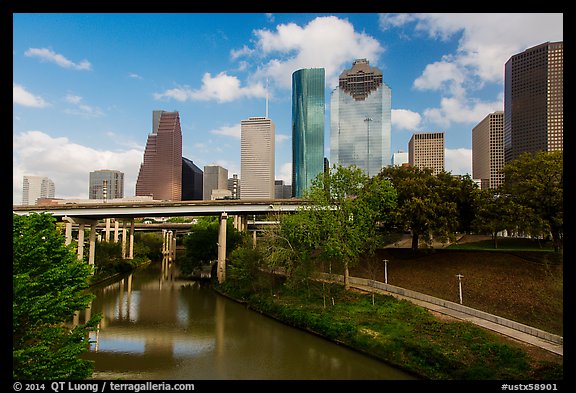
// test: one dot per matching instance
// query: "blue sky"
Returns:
(85, 84)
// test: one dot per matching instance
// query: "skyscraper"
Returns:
(488, 150)
(533, 100)
(192, 181)
(35, 187)
(257, 158)
(360, 119)
(106, 184)
(160, 174)
(215, 178)
(426, 150)
(308, 90)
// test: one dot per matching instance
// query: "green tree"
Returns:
(494, 213)
(201, 243)
(426, 203)
(535, 181)
(346, 206)
(49, 285)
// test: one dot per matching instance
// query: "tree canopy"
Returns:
(48, 283)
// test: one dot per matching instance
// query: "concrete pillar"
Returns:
(92, 250)
(131, 248)
(174, 246)
(254, 238)
(116, 225)
(164, 242)
(80, 241)
(124, 240)
(222, 248)
(68, 232)
(107, 236)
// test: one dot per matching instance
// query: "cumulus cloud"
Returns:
(45, 54)
(405, 119)
(68, 164)
(285, 173)
(221, 88)
(485, 43)
(233, 131)
(21, 96)
(325, 42)
(458, 161)
(81, 108)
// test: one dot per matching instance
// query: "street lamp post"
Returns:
(460, 286)
(386, 271)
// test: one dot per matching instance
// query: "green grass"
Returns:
(399, 333)
(506, 244)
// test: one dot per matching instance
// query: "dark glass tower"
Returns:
(533, 100)
(192, 181)
(160, 174)
(308, 90)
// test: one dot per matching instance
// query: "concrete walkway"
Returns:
(517, 331)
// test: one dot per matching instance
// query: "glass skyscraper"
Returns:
(360, 119)
(308, 90)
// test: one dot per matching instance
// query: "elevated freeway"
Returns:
(82, 214)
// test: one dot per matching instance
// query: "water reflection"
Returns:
(157, 326)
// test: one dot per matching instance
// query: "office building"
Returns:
(192, 181)
(35, 187)
(399, 158)
(488, 150)
(426, 150)
(234, 186)
(308, 91)
(215, 178)
(360, 119)
(533, 100)
(282, 190)
(257, 158)
(160, 174)
(106, 184)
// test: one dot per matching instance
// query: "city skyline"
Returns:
(84, 85)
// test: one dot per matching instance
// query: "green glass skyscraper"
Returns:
(308, 91)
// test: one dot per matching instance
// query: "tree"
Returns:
(49, 285)
(535, 181)
(201, 243)
(495, 212)
(426, 204)
(345, 206)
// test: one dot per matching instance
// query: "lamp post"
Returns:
(460, 286)
(386, 271)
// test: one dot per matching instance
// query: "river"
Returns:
(156, 326)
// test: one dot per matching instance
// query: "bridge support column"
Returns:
(116, 227)
(68, 232)
(80, 246)
(92, 251)
(124, 240)
(254, 238)
(81, 222)
(221, 270)
(131, 247)
(107, 237)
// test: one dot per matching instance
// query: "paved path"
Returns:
(507, 331)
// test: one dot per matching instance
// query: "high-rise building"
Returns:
(399, 158)
(488, 150)
(282, 190)
(106, 184)
(215, 179)
(308, 91)
(533, 100)
(160, 174)
(360, 119)
(35, 187)
(234, 186)
(192, 181)
(426, 150)
(257, 158)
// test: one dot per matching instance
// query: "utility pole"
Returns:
(460, 286)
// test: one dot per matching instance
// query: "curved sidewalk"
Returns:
(548, 341)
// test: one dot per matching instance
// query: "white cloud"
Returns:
(405, 119)
(221, 88)
(80, 108)
(49, 55)
(485, 44)
(134, 76)
(21, 96)
(68, 164)
(281, 138)
(285, 173)
(458, 161)
(233, 131)
(325, 42)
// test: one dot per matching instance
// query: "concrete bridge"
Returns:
(89, 214)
